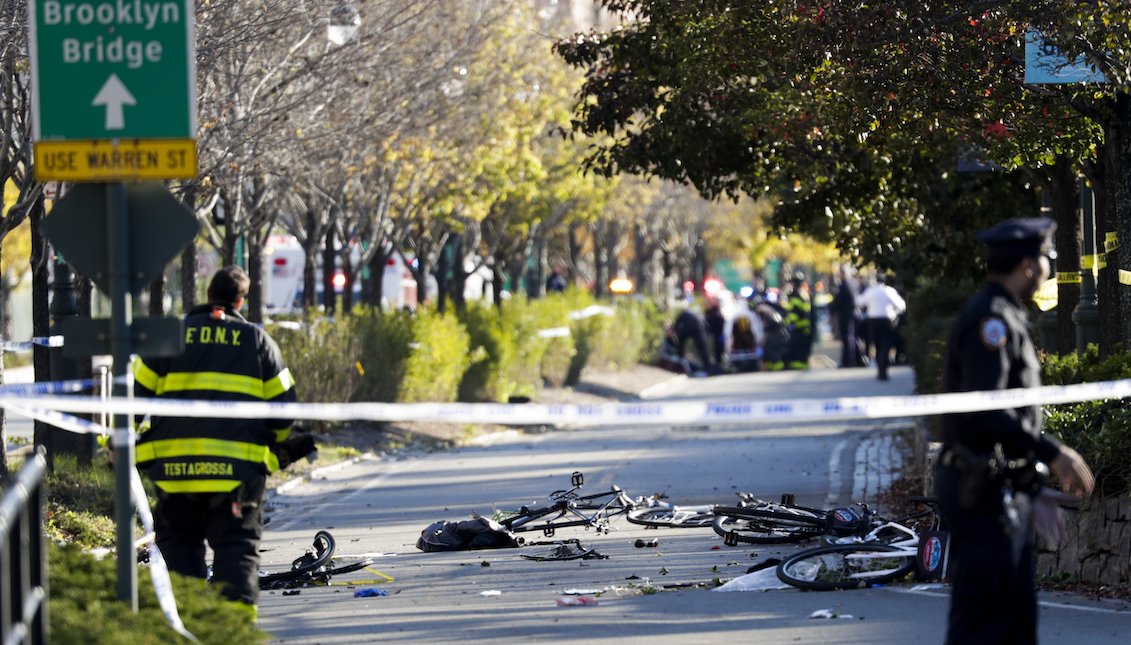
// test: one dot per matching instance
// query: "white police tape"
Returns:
(681, 412)
(15, 346)
(48, 387)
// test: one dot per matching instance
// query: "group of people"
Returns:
(760, 334)
(866, 320)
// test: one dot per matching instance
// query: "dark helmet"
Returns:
(798, 277)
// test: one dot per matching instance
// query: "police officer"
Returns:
(988, 476)
(210, 474)
(799, 319)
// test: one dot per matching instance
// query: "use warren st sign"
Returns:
(113, 89)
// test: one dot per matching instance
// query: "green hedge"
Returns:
(84, 607)
(1099, 430)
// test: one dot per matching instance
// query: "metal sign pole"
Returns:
(121, 317)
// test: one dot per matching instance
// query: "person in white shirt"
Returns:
(743, 335)
(882, 305)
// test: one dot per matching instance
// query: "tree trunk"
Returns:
(1119, 201)
(538, 289)
(329, 260)
(497, 285)
(188, 277)
(574, 234)
(157, 295)
(459, 274)
(255, 275)
(1064, 201)
(347, 287)
(443, 271)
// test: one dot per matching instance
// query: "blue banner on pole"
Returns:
(1045, 64)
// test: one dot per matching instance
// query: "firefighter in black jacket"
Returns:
(211, 474)
(987, 479)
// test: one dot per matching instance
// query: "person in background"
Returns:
(882, 305)
(799, 320)
(988, 476)
(716, 326)
(843, 310)
(556, 282)
(689, 325)
(743, 337)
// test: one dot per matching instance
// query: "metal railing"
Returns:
(23, 557)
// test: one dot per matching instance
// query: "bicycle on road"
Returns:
(315, 567)
(758, 521)
(888, 551)
(567, 508)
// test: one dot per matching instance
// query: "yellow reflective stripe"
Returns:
(198, 485)
(241, 450)
(212, 382)
(281, 435)
(146, 376)
(276, 386)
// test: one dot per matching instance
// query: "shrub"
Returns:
(1099, 430)
(84, 607)
(438, 358)
(384, 341)
(493, 350)
(323, 356)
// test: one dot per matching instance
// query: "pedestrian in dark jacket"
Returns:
(843, 310)
(210, 473)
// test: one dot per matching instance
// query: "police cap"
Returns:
(1021, 237)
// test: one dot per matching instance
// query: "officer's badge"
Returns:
(994, 333)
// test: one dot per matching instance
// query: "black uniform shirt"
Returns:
(990, 349)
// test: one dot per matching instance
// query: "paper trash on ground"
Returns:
(758, 581)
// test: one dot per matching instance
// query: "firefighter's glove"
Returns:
(297, 446)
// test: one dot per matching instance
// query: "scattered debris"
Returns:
(369, 592)
(761, 580)
(830, 613)
(576, 601)
(765, 564)
(292, 592)
(640, 544)
(491, 592)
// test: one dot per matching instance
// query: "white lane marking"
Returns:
(336, 499)
(834, 473)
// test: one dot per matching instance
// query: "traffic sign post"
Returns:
(113, 100)
(113, 89)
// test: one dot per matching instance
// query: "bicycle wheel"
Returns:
(845, 566)
(755, 526)
(672, 518)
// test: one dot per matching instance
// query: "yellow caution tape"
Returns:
(1069, 277)
(1124, 276)
(1047, 296)
(1111, 242)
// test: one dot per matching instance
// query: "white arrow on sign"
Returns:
(114, 95)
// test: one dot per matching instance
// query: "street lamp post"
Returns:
(1087, 312)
